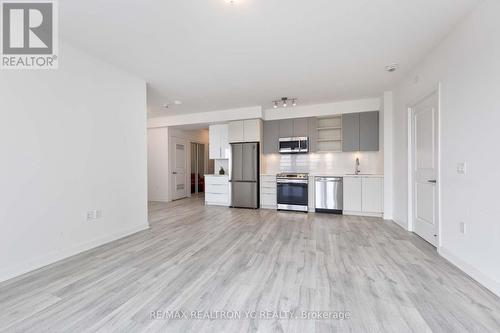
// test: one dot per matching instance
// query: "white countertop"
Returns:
(325, 174)
(346, 175)
(211, 175)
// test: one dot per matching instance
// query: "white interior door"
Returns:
(425, 169)
(179, 158)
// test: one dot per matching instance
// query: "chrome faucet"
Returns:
(356, 169)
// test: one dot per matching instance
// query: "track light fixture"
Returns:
(284, 102)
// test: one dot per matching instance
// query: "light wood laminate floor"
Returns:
(198, 258)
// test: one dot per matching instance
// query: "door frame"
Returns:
(411, 141)
(205, 163)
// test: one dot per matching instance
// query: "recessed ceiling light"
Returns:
(392, 67)
(230, 1)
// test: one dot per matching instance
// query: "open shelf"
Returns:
(330, 146)
(329, 134)
(333, 121)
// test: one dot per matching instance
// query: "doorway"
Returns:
(424, 168)
(197, 168)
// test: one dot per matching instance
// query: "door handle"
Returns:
(174, 173)
(432, 181)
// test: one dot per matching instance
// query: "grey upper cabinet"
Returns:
(300, 127)
(369, 131)
(350, 132)
(271, 137)
(312, 124)
(286, 128)
(360, 131)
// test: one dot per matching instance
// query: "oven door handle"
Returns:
(291, 181)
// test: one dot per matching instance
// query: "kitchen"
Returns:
(330, 164)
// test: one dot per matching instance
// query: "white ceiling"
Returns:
(212, 55)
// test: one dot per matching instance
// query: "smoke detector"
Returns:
(392, 67)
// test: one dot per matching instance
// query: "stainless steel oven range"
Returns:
(292, 191)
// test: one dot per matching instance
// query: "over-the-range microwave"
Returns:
(294, 145)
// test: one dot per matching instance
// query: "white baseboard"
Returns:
(400, 223)
(352, 213)
(487, 282)
(39, 262)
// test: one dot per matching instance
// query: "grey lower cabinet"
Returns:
(271, 137)
(360, 131)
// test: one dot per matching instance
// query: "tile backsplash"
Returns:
(326, 163)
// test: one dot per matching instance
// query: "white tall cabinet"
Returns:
(218, 141)
(364, 195)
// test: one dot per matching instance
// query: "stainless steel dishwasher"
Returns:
(329, 194)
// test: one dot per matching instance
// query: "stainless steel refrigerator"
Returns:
(245, 175)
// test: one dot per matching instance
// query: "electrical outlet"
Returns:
(463, 228)
(462, 168)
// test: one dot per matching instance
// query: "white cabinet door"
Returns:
(372, 195)
(352, 194)
(224, 141)
(236, 131)
(252, 129)
(214, 142)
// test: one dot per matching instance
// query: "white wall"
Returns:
(467, 64)
(318, 110)
(158, 169)
(254, 112)
(388, 133)
(71, 140)
(206, 117)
